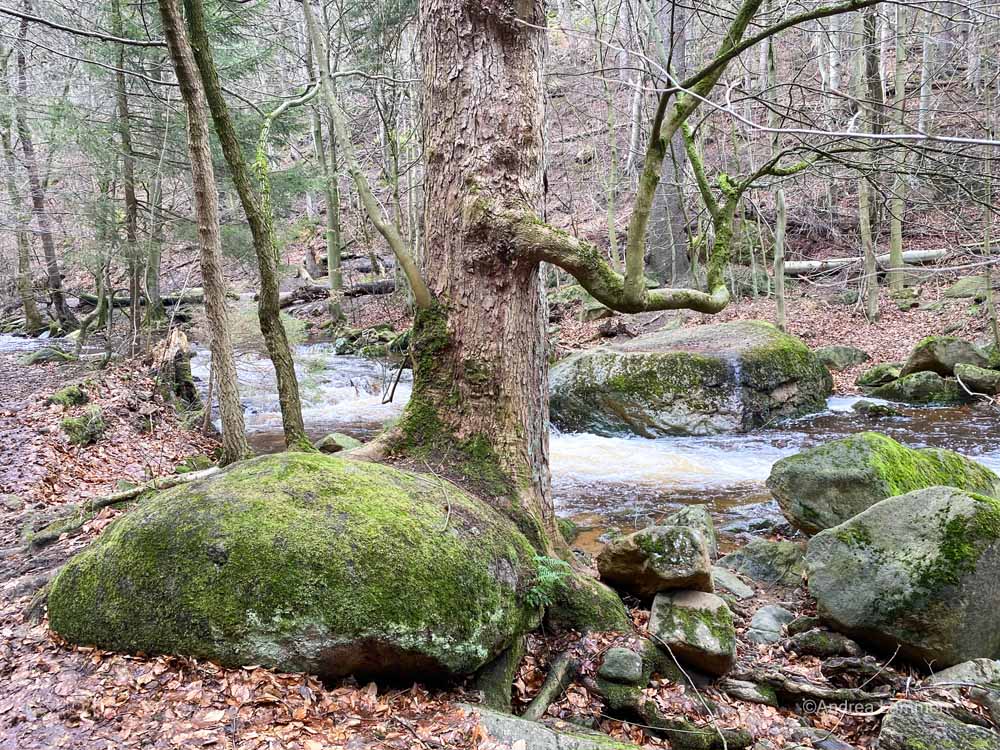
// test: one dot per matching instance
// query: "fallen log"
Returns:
(301, 295)
(383, 286)
(804, 267)
(560, 675)
(191, 297)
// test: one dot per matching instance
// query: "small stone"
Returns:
(822, 643)
(801, 624)
(727, 581)
(875, 410)
(623, 666)
(11, 502)
(656, 559)
(767, 624)
(750, 692)
(697, 627)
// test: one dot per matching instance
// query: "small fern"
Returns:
(549, 576)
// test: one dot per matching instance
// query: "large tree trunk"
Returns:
(32, 318)
(206, 201)
(480, 375)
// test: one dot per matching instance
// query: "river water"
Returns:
(609, 481)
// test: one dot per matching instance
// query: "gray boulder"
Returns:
(969, 287)
(879, 374)
(940, 354)
(622, 665)
(978, 672)
(918, 572)
(824, 486)
(839, 357)
(767, 562)
(912, 725)
(697, 627)
(656, 559)
(305, 562)
(727, 582)
(725, 377)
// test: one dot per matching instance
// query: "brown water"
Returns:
(621, 482)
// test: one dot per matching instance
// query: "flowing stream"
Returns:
(604, 482)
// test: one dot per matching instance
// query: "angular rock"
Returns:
(822, 643)
(981, 672)
(918, 571)
(698, 517)
(969, 287)
(768, 623)
(839, 357)
(922, 388)
(694, 381)
(912, 725)
(750, 692)
(336, 442)
(726, 581)
(801, 624)
(940, 354)
(583, 604)
(697, 627)
(979, 379)
(879, 375)
(767, 562)
(657, 558)
(824, 486)
(513, 731)
(874, 410)
(622, 665)
(305, 562)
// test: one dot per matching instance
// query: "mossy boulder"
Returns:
(918, 572)
(72, 395)
(700, 380)
(940, 354)
(979, 379)
(697, 627)
(969, 287)
(975, 672)
(915, 725)
(840, 357)
(879, 374)
(306, 562)
(824, 486)
(922, 388)
(823, 644)
(47, 355)
(656, 559)
(697, 517)
(874, 409)
(585, 604)
(85, 429)
(336, 442)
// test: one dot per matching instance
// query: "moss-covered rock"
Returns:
(306, 562)
(879, 374)
(584, 604)
(697, 517)
(979, 379)
(839, 357)
(922, 388)
(822, 643)
(693, 381)
(656, 559)
(71, 395)
(918, 571)
(914, 725)
(940, 354)
(875, 410)
(496, 680)
(85, 429)
(336, 442)
(697, 627)
(622, 665)
(825, 486)
(46, 355)
(969, 287)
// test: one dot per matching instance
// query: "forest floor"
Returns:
(53, 695)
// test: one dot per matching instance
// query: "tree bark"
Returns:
(261, 228)
(37, 190)
(206, 200)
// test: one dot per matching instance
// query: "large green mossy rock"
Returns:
(305, 562)
(979, 379)
(918, 572)
(824, 486)
(916, 725)
(700, 380)
(924, 387)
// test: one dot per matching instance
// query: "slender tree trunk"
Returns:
(234, 443)
(261, 227)
(863, 86)
(37, 190)
(32, 318)
(991, 304)
(779, 258)
(898, 203)
(155, 310)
